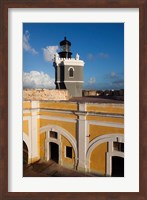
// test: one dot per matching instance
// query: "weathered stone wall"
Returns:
(90, 93)
(45, 94)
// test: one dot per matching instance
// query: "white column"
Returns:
(109, 158)
(47, 148)
(82, 138)
(109, 164)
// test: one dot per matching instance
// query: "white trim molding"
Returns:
(63, 119)
(103, 123)
(71, 68)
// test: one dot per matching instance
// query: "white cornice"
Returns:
(72, 62)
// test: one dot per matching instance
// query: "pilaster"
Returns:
(82, 137)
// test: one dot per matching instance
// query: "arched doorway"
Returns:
(25, 154)
(54, 134)
(54, 152)
(117, 166)
(111, 152)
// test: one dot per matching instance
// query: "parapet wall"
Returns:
(45, 94)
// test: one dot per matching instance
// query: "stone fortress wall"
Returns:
(45, 94)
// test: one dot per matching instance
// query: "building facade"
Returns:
(87, 137)
(68, 71)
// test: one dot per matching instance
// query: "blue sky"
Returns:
(100, 45)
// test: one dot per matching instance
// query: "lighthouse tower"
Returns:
(68, 70)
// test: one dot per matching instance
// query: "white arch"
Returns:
(101, 139)
(26, 140)
(65, 133)
(71, 68)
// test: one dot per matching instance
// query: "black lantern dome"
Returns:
(65, 49)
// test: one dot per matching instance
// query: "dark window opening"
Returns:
(118, 146)
(54, 152)
(53, 134)
(117, 166)
(71, 72)
(68, 152)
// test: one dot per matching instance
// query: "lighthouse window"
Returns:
(71, 72)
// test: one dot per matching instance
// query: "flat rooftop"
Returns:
(96, 100)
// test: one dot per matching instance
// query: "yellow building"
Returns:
(82, 136)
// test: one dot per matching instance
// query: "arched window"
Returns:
(71, 72)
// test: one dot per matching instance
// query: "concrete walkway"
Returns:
(51, 169)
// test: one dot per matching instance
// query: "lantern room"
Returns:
(65, 46)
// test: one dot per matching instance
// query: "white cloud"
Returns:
(92, 80)
(113, 75)
(116, 80)
(26, 45)
(100, 55)
(49, 52)
(90, 56)
(103, 55)
(118, 84)
(35, 79)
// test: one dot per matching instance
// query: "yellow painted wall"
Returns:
(95, 131)
(26, 127)
(59, 105)
(105, 108)
(26, 104)
(67, 162)
(27, 114)
(58, 114)
(105, 119)
(42, 145)
(97, 159)
(69, 126)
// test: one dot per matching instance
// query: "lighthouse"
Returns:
(68, 70)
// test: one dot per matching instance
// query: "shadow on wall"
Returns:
(25, 154)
